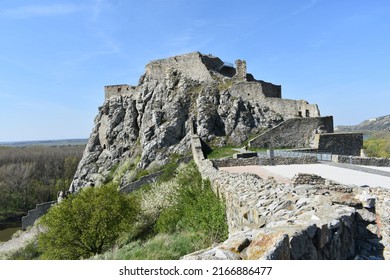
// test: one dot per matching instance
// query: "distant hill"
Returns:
(375, 124)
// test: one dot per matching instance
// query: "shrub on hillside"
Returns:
(197, 209)
(87, 223)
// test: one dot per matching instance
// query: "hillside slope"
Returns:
(374, 124)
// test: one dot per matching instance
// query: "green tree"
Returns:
(86, 224)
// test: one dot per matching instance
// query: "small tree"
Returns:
(86, 224)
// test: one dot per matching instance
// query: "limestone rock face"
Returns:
(152, 121)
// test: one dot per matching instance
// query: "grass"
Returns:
(225, 84)
(221, 152)
(29, 252)
(159, 247)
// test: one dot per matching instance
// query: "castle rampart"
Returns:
(293, 133)
(121, 90)
(36, 213)
(311, 218)
(339, 143)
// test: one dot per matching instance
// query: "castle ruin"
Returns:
(300, 125)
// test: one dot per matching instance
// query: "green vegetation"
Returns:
(225, 84)
(196, 209)
(220, 152)
(378, 144)
(86, 224)
(177, 215)
(34, 174)
(28, 252)
(158, 247)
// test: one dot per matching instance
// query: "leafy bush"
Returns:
(87, 223)
(197, 209)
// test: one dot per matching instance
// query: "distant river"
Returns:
(8, 228)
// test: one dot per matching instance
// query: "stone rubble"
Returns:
(311, 218)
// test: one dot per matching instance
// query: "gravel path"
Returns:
(335, 173)
(283, 173)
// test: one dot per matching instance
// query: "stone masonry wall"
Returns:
(189, 65)
(293, 133)
(229, 162)
(311, 219)
(371, 161)
(148, 179)
(291, 108)
(382, 206)
(119, 90)
(36, 213)
(340, 143)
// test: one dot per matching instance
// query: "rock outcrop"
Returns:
(151, 121)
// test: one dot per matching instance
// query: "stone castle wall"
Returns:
(229, 162)
(293, 133)
(36, 213)
(189, 65)
(371, 161)
(310, 219)
(340, 143)
(292, 108)
(119, 90)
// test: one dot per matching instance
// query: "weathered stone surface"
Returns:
(367, 200)
(318, 219)
(152, 120)
(294, 133)
(228, 162)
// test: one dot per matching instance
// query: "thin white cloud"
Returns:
(304, 7)
(321, 40)
(40, 11)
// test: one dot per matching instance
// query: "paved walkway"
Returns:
(361, 168)
(343, 175)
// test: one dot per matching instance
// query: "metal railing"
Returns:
(285, 153)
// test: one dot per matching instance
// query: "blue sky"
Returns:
(56, 56)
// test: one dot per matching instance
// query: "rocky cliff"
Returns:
(149, 122)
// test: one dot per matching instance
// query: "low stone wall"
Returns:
(148, 179)
(311, 219)
(229, 162)
(371, 161)
(33, 215)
